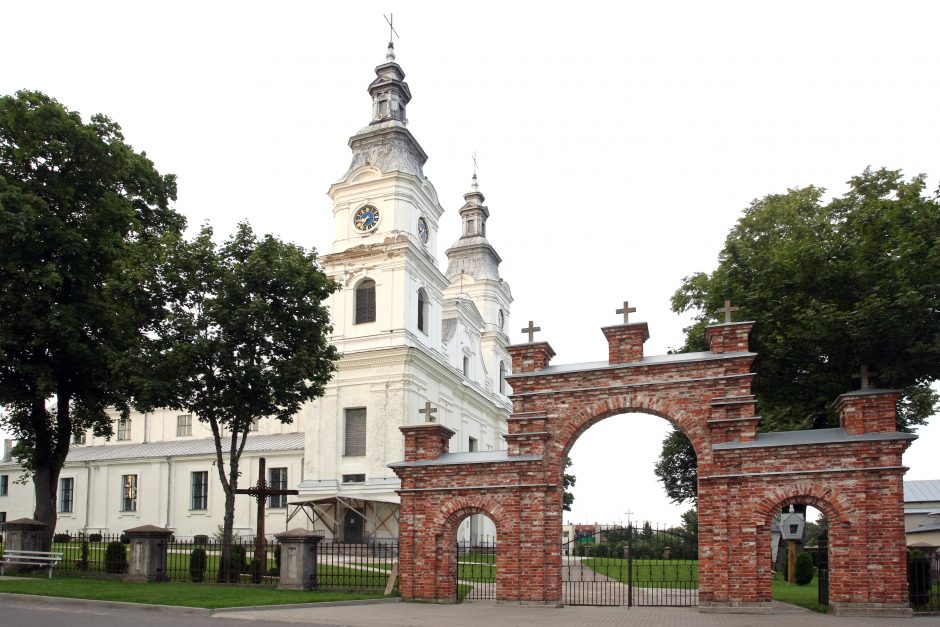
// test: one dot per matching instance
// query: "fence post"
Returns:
(148, 553)
(298, 559)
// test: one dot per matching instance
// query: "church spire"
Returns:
(472, 253)
(389, 90)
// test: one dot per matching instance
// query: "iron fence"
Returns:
(348, 566)
(476, 569)
(923, 578)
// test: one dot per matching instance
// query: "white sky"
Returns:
(617, 142)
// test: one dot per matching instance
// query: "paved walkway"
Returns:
(491, 614)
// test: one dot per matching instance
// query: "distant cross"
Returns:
(391, 27)
(727, 309)
(260, 491)
(626, 311)
(531, 331)
(628, 512)
(475, 165)
(863, 374)
(428, 411)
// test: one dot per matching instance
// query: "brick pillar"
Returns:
(530, 357)
(23, 534)
(527, 433)
(868, 411)
(426, 441)
(625, 342)
(148, 553)
(731, 337)
(298, 559)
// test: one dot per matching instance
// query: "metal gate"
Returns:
(476, 570)
(633, 565)
(822, 557)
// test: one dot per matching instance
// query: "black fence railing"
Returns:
(346, 566)
(476, 569)
(923, 578)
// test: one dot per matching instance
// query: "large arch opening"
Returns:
(624, 540)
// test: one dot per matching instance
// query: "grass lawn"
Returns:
(805, 596)
(647, 573)
(202, 595)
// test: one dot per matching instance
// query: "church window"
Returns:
(365, 302)
(466, 365)
(78, 438)
(254, 425)
(502, 378)
(355, 436)
(423, 309)
(277, 480)
(472, 444)
(199, 489)
(383, 108)
(3, 517)
(124, 429)
(184, 425)
(66, 492)
(128, 493)
(4, 485)
(356, 478)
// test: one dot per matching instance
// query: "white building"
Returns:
(409, 335)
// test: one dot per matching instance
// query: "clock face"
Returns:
(366, 218)
(423, 230)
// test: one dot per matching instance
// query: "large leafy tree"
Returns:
(245, 338)
(832, 286)
(82, 220)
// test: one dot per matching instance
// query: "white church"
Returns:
(416, 344)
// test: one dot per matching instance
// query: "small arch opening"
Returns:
(423, 310)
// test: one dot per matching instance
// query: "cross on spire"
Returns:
(626, 311)
(531, 331)
(475, 164)
(428, 412)
(863, 375)
(391, 27)
(727, 310)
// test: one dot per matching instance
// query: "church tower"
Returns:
(416, 344)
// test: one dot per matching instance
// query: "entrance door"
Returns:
(352, 526)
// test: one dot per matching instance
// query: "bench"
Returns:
(44, 559)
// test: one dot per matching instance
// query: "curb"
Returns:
(294, 606)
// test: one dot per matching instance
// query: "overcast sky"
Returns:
(617, 142)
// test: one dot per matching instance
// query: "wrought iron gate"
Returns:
(476, 570)
(822, 557)
(633, 565)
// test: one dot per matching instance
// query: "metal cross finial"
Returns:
(428, 411)
(475, 164)
(628, 513)
(626, 311)
(863, 374)
(391, 28)
(727, 309)
(531, 331)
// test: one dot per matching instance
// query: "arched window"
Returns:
(365, 302)
(423, 310)
(466, 365)
(502, 378)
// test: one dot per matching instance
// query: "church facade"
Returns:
(418, 344)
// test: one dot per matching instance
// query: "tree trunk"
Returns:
(45, 482)
(228, 522)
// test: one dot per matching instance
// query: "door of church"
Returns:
(352, 526)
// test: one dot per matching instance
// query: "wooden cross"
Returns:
(531, 331)
(428, 411)
(261, 491)
(727, 309)
(863, 374)
(626, 311)
(391, 27)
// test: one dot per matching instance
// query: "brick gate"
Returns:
(853, 474)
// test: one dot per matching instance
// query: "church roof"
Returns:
(922, 491)
(257, 443)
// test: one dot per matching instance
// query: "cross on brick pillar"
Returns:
(729, 337)
(428, 411)
(426, 441)
(533, 356)
(868, 411)
(625, 341)
(260, 491)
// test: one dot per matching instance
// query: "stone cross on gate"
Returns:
(863, 375)
(626, 311)
(727, 310)
(261, 491)
(531, 331)
(428, 412)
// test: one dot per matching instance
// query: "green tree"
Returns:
(833, 286)
(677, 467)
(245, 338)
(83, 218)
(568, 481)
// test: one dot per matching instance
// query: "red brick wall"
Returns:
(858, 485)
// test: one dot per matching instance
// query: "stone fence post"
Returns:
(298, 559)
(148, 553)
(23, 534)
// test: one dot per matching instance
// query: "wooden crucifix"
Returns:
(531, 329)
(428, 412)
(626, 311)
(261, 491)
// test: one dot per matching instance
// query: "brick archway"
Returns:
(852, 473)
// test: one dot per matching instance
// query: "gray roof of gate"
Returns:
(837, 435)
(651, 360)
(256, 443)
(476, 457)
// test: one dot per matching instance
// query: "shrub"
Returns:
(602, 550)
(197, 565)
(237, 563)
(254, 567)
(94, 537)
(61, 537)
(125, 539)
(82, 564)
(276, 570)
(115, 558)
(803, 572)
